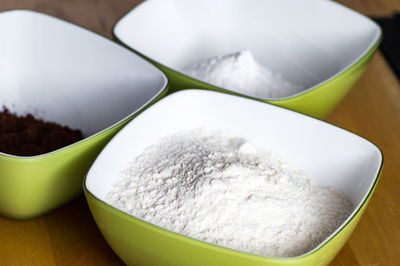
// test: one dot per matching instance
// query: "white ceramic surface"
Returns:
(63, 73)
(308, 42)
(334, 157)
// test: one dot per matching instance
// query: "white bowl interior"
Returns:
(334, 157)
(63, 73)
(307, 42)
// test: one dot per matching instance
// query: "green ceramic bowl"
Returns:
(332, 156)
(319, 44)
(63, 73)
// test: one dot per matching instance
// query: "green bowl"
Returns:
(304, 41)
(312, 145)
(63, 73)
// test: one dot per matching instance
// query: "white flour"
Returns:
(240, 72)
(223, 190)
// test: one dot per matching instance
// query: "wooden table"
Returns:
(69, 236)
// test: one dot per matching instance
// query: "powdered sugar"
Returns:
(240, 72)
(222, 189)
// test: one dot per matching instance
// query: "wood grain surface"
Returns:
(69, 236)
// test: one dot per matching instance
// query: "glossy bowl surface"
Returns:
(60, 72)
(302, 40)
(332, 156)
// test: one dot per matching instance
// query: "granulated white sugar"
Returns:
(240, 72)
(224, 190)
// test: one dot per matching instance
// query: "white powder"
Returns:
(241, 73)
(221, 189)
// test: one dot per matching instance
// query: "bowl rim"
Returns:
(368, 51)
(163, 89)
(183, 237)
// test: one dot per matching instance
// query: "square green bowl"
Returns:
(60, 72)
(332, 156)
(321, 45)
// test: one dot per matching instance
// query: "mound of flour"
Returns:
(222, 189)
(240, 72)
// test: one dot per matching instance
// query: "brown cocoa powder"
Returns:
(28, 136)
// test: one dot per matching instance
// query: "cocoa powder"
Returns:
(28, 136)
